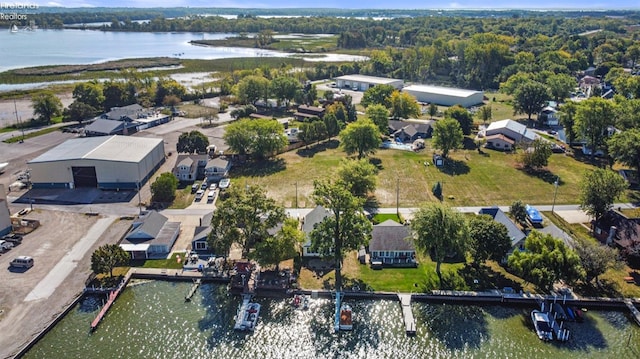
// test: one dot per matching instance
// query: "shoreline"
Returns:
(436, 297)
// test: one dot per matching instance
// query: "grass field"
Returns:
(471, 178)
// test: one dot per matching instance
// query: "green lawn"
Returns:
(31, 135)
(473, 179)
(381, 217)
(170, 263)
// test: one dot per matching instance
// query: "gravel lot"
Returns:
(59, 235)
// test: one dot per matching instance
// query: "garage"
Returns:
(84, 176)
(109, 162)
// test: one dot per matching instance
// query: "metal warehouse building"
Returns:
(113, 162)
(445, 96)
(362, 82)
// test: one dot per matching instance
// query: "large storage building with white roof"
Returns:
(363, 82)
(445, 96)
(110, 162)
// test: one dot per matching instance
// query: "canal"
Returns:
(151, 320)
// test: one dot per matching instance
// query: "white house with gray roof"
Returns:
(515, 234)
(151, 236)
(499, 134)
(363, 82)
(309, 222)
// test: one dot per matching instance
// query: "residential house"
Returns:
(614, 228)
(588, 83)
(515, 234)
(506, 134)
(151, 236)
(305, 112)
(190, 167)
(392, 245)
(217, 168)
(408, 132)
(549, 116)
(200, 234)
(309, 221)
(106, 127)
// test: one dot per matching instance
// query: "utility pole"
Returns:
(398, 197)
(296, 195)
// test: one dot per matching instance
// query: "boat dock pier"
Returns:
(634, 311)
(336, 324)
(407, 314)
(194, 288)
(112, 297)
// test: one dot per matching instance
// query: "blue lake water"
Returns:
(61, 47)
(151, 320)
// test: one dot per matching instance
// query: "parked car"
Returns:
(199, 194)
(12, 238)
(211, 196)
(213, 187)
(555, 148)
(5, 246)
(204, 184)
(194, 188)
(224, 183)
(22, 262)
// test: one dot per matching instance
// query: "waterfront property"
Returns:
(114, 162)
(309, 221)
(515, 234)
(392, 245)
(217, 169)
(190, 167)
(152, 236)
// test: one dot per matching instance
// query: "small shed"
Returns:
(438, 160)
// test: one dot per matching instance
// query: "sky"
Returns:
(356, 4)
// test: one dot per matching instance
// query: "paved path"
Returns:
(59, 273)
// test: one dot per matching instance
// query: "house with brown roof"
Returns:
(614, 228)
(305, 113)
(392, 245)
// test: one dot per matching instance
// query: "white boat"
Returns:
(542, 324)
(3, 166)
(346, 319)
(13, 29)
(247, 316)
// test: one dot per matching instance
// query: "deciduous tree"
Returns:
(518, 211)
(593, 117)
(345, 230)
(377, 95)
(545, 261)
(78, 111)
(484, 114)
(107, 257)
(163, 189)
(598, 191)
(463, 116)
(361, 137)
(440, 231)
(358, 176)
(245, 216)
(404, 105)
(596, 258)
(537, 154)
(251, 89)
(380, 116)
(260, 138)
(89, 93)
(447, 135)
(489, 239)
(624, 147)
(192, 142)
(274, 249)
(560, 86)
(529, 98)
(46, 106)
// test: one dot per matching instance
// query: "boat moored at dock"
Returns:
(247, 316)
(346, 319)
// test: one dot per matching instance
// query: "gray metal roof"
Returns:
(391, 236)
(515, 234)
(151, 225)
(107, 148)
(104, 126)
(368, 79)
(314, 217)
(447, 91)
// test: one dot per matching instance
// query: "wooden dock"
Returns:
(112, 298)
(336, 323)
(634, 311)
(407, 314)
(193, 289)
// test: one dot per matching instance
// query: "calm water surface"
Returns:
(61, 47)
(151, 320)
